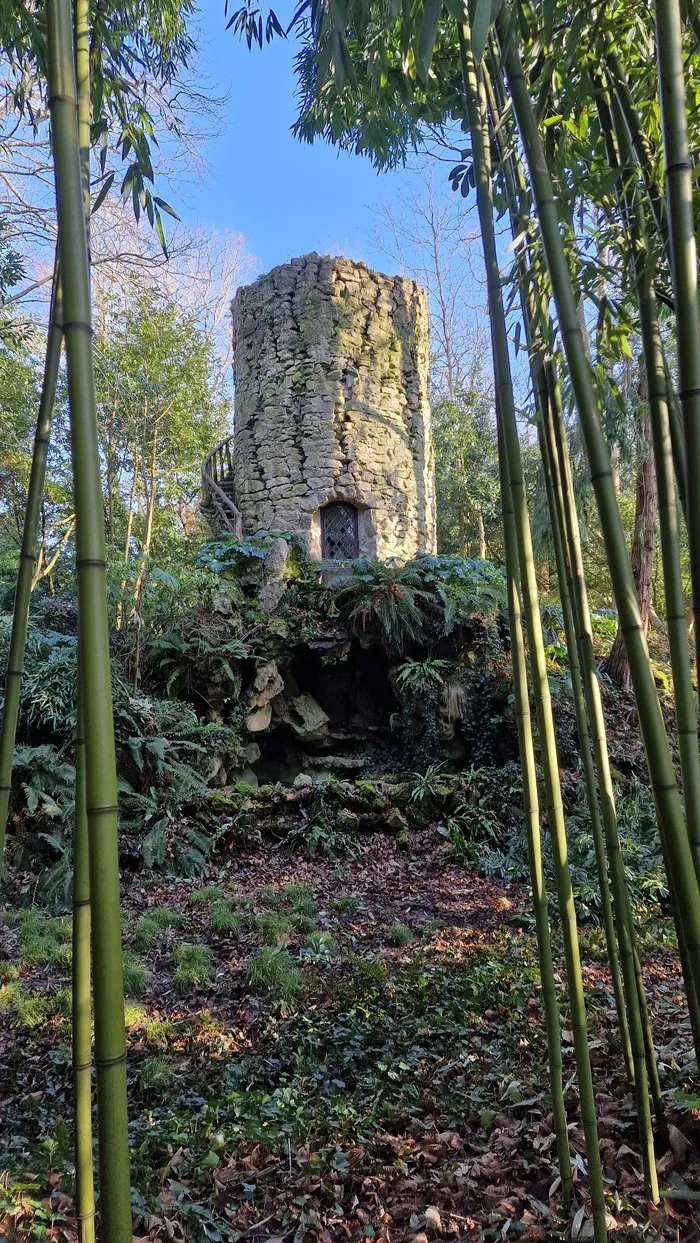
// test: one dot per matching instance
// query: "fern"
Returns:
(386, 598)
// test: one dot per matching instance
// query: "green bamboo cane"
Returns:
(627, 131)
(657, 1095)
(564, 577)
(659, 762)
(543, 377)
(82, 1008)
(638, 138)
(81, 19)
(532, 821)
(683, 694)
(27, 557)
(476, 112)
(677, 440)
(600, 748)
(82, 995)
(100, 771)
(679, 186)
(621, 908)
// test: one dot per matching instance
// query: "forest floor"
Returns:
(336, 1049)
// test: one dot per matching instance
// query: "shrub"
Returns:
(376, 595)
(400, 934)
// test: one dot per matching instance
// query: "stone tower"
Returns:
(332, 438)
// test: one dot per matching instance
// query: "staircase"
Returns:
(217, 504)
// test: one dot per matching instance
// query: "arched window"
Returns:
(339, 532)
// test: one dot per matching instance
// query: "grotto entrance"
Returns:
(351, 685)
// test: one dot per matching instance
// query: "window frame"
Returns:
(356, 529)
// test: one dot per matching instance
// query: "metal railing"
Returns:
(217, 502)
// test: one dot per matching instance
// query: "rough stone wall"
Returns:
(331, 369)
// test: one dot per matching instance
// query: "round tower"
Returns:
(332, 435)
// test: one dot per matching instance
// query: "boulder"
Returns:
(304, 716)
(396, 820)
(259, 719)
(267, 685)
(276, 574)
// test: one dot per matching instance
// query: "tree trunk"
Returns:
(642, 555)
(482, 534)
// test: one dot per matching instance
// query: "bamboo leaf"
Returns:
(104, 191)
(427, 35)
(481, 24)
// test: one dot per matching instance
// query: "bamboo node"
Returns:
(110, 1061)
(79, 324)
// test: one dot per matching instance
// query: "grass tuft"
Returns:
(157, 1074)
(210, 893)
(274, 970)
(348, 904)
(270, 896)
(274, 927)
(44, 942)
(224, 918)
(193, 967)
(167, 917)
(400, 934)
(146, 934)
(300, 898)
(303, 923)
(137, 976)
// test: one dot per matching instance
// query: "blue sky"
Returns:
(288, 198)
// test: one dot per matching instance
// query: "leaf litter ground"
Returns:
(338, 1049)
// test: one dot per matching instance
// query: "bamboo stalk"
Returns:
(621, 907)
(659, 762)
(564, 576)
(476, 113)
(683, 694)
(82, 995)
(679, 187)
(638, 138)
(598, 733)
(110, 1043)
(81, 1005)
(532, 821)
(27, 556)
(544, 380)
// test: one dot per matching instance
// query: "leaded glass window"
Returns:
(339, 531)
